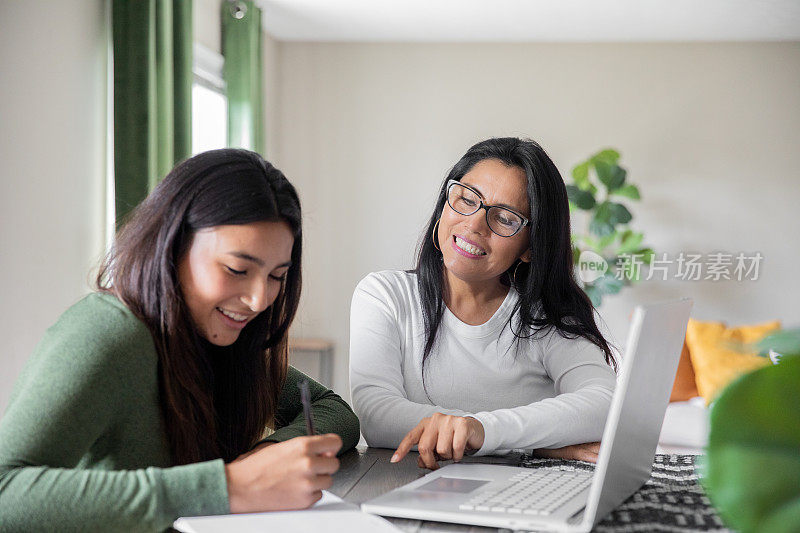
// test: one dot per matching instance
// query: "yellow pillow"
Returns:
(715, 363)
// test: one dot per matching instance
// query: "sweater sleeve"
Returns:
(376, 368)
(62, 410)
(330, 412)
(584, 385)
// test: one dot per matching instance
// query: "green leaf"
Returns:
(785, 342)
(752, 463)
(601, 224)
(630, 241)
(603, 212)
(600, 227)
(581, 175)
(582, 199)
(590, 241)
(576, 253)
(604, 242)
(612, 176)
(609, 156)
(594, 295)
(608, 284)
(618, 214)
(629, 191)
(646, 254)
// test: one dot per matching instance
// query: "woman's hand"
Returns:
(441, 437)
(580, 452)
(282, 476)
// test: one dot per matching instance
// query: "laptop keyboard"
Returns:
(538, 492)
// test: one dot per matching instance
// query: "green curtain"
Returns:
(152, 94)
(242, 71)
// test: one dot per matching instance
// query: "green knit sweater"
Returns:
(82, 443)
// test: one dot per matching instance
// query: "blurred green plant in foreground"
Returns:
(752, 466)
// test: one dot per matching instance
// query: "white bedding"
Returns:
(685, 428)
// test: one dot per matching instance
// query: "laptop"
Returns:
(565, 498)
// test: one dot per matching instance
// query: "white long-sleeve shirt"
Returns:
(548, 393)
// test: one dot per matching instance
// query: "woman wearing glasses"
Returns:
(489, 344)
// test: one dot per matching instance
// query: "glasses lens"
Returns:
(504, 222)
(463, 200)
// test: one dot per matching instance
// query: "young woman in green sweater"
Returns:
(168, 392)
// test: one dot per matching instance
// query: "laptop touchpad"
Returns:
(452, 484)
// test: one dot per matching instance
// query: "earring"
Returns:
(433, 235)
(514, 274)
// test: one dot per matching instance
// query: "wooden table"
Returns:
(365, 473)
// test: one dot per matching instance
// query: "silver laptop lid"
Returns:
(637, 410)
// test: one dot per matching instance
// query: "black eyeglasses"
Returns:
(466, 201)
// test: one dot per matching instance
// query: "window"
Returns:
(209, 103)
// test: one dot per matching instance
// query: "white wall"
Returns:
(709, 132)
(270, 51)
(52, 148)
(206, 24)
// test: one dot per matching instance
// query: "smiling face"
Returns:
(230, 274)
(470, 250)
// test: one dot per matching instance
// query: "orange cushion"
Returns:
(684, 388)
(715, 360)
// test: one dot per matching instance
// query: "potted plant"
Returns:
(608, 254)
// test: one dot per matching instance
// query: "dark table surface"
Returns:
(672, 498)
(365, 473)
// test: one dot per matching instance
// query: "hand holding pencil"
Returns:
(284, 475)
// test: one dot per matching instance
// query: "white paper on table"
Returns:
(330, 514)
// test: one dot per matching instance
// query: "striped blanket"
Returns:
(672, 500)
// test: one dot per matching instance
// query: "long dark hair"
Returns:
(216, 401)
(549, 296)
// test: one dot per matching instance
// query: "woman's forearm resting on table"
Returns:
(62, 499)
(570, 418)
(331, 413)
(387, 417)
